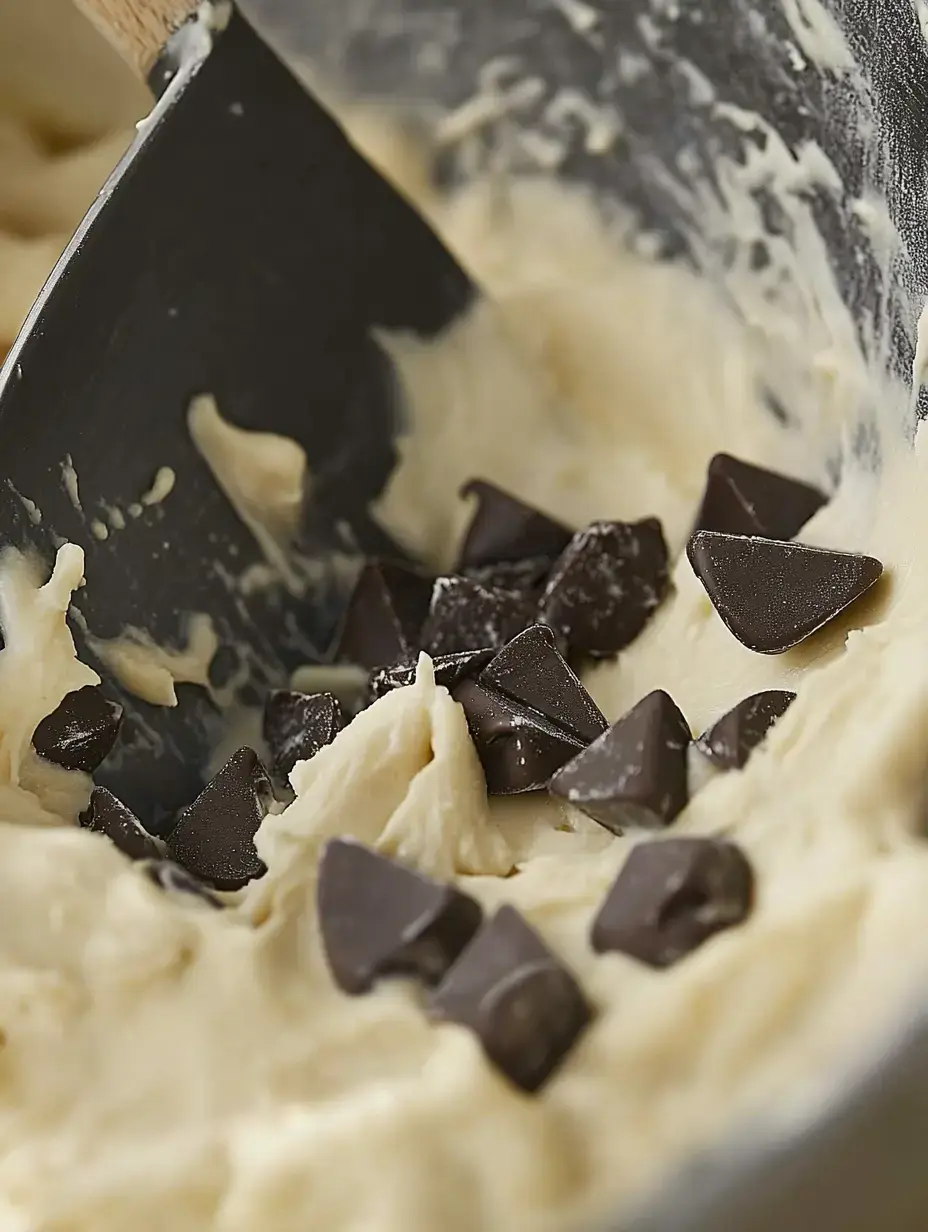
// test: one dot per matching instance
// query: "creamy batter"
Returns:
(172, 1067)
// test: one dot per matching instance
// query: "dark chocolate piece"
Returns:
(671, 896)
(213, 837)
(729, 743)
(605, 587)
(523, 1005)
(741, 499)
(298, 725)
(528, 576)
(384, 616)
(773, 595)
(532, 672)
(464, 615)
(518, 748)
(378, 918)
(173, 879)
(635, 774)
(504, 528)
(80, 733)
(449, 671)
(108, 815)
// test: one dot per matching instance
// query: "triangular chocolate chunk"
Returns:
(742, 499)
(671, 896)
(773, 595)
(297, 725)
(449, 670)
(378, 918)
(729, 743)
(604, 588)
(518, 748)
(504, 528)
(80, 732)
(532, 672)
(383, 620)
(108, 815)
(463, 615)
(635, 774)
(523, 1005)
(213, 837)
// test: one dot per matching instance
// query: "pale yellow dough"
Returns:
(167, 1067)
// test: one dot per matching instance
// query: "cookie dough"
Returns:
(169, 1066)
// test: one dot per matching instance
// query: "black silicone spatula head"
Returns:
(242, 249)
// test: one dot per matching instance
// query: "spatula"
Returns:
(242, 249)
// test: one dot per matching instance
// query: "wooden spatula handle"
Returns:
(138, 29)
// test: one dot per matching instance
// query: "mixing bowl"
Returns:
(660, 69)
(644, 101)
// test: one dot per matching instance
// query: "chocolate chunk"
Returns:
(528, 576)
(741, 499)
(526, 1009)
(671, 896)
(449, 671)
(730, 741)
(176, 880)
(531, 672)
(635, 774)
(108, 815)
(504, 528)
(298, 725)
(518, 748)
(774, 595)
(80, 733)
(384, 616)
(467, 616)
(378, 918)
(213, 836)
(604, 588)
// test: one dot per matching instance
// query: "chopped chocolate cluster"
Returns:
(771, 593)
(517, 567)
(450, 670)
(519, 749)
(379, 919)
(527, 713)
(526, 593)
(211, 844)
(531, 672)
